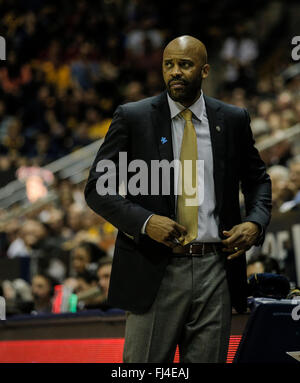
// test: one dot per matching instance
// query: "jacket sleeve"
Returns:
(107, 202)
(255, 182)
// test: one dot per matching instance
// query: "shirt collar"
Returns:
(197, 108)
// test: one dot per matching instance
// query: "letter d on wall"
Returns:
(2, 309)
(2, 48)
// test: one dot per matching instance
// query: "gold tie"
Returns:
(187, 201)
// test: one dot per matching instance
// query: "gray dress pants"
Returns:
(192, 309)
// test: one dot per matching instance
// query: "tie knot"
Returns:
(187, 115)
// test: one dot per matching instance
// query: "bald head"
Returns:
(184, 67)
(187, 45)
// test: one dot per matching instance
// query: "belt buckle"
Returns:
(203, 248)
(191, 249)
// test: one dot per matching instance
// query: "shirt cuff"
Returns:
(143, 230)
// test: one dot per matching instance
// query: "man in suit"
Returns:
(178, 267)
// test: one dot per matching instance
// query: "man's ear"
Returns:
(205, 70)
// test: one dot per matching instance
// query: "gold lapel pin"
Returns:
(218, 128)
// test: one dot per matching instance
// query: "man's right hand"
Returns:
(165, 230)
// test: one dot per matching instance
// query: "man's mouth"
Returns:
(177, 84)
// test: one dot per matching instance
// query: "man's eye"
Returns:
(168, 65)
(185, 65)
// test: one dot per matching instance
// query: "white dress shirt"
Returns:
(207, 221)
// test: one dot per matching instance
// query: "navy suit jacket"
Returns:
(137, 128)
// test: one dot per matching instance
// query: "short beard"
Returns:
(189, 96)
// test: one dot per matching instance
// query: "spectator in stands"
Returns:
(42, 287)
(88, 291)
(74, 217)
(239, 52)
(11, 230)
(262, 264)
(18, 296)
(90, 296)
(85, 281)
(264, 108)
(136, 39)
(284, 100)
(56, 224)
(260, 128)
(92, 288)
(4, 119)
(7, 168)
(30, 235)
(13, 140)
(103, 272)
(281, 188)
(84, 70)
(66, 198)
(133, 92)
(85, 256)
(294, 166)
(294, 184)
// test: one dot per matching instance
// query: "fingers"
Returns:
(170, 243)
(228, 232)
(175, 233)
(236, 254)
(176, 236)
(238, 239)
(230, 242)
(164, 230)
(181, 229)
(181, 240)
(234, 244)
(237, 245)
(172, 239)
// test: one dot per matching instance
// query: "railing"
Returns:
(70, 167)
(288, 134)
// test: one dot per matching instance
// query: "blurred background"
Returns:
(68, 66)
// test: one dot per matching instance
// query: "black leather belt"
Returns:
(198, 248)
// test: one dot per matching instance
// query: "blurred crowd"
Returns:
(62, 243)
(68, 67)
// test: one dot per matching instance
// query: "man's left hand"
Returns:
(240, 238)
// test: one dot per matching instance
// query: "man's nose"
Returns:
(176, 71)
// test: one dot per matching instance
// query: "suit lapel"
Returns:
(218, 141)
(161, 119)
